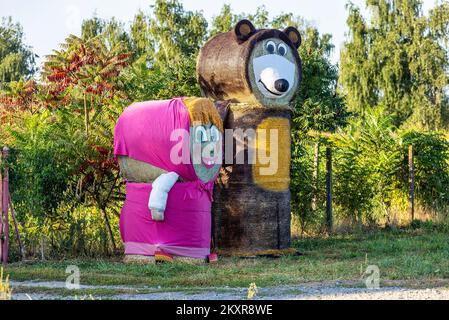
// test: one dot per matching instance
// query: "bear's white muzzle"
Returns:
(274, 74)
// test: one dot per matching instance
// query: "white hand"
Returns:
(157, 215)
(159, 195)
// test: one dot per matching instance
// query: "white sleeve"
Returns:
(161, 187)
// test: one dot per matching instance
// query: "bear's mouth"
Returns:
(266, 88)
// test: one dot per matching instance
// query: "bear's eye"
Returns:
(271, 47)
(282, 49)
(200, 135)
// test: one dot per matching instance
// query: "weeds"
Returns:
(5, 290)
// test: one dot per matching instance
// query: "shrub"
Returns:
(5, 290)
(308, 195)
(431, 151)
(367, 162)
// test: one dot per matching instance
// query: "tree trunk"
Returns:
(42, 247)
(109, 229)
(86, 116)
(16, 227)
(5, 209)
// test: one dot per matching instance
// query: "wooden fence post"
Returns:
(1, 210)
(329, 213)
(411, 164)
(316, 174)
(5, 209)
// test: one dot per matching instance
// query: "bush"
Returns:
(431, 150)
(367, 162)
(370, 174)
(308, 196)
(39, 174)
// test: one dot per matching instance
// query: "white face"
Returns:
(274, 72)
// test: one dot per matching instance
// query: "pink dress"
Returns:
(143, 132)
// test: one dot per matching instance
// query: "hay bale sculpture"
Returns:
(170, 155)
(253, 75)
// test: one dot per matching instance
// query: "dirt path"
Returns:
(314, 291)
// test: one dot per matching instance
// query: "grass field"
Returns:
(416, 257)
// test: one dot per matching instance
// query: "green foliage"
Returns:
(16, 58)
(367, 162)
(224, 21)
(318, 106)
(177, 33)
(431, 153)
(111, 32)
(307, 181)
(158, 83)
(142, 43)
(39, 173)
(398, 60)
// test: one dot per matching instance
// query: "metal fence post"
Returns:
(329, 213)
(411, 164)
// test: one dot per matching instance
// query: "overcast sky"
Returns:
(48, 22)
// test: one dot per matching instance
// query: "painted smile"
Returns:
(266, 88)
(209, 162)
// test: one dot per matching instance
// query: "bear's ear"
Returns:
(294, 36)
(243, 30)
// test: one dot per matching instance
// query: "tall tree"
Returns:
(398, 61)
(224, 21)
(81, 79)
(16, 58)
(111, 32)
(141, 41)
(177, 33)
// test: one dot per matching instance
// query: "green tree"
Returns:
(141, 41)
(111, 32)
(224, 21)
(81, 79)
(91, 28)
(260, 19)
(398, 61)
(318, 106)
(177, 33)
(16, 58)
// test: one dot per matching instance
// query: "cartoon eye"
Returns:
(200, 135)
(214, 134)
(271, 47)
(282, 49)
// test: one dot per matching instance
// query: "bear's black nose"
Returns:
(281, 85)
